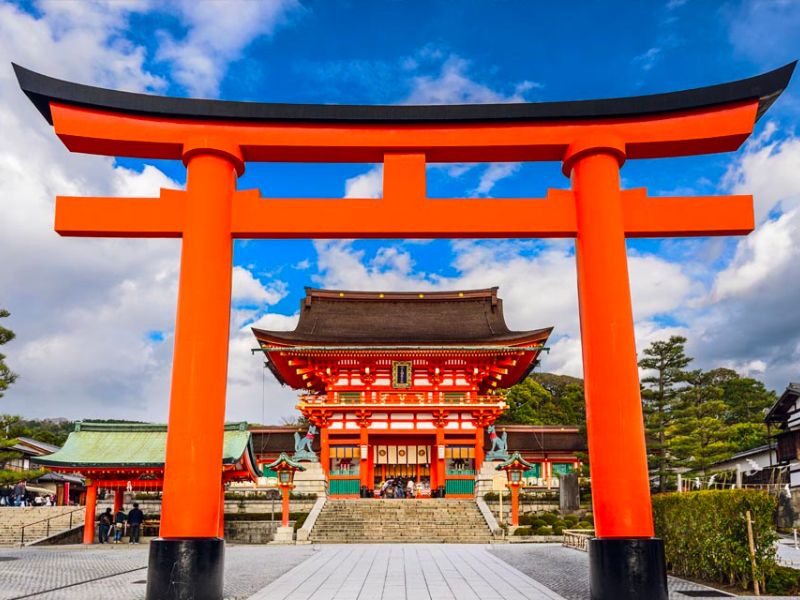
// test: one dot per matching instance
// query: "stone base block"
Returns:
(185, 569)
(283, 535)
(627, 569)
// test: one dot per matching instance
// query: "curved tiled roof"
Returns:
(346, 318)
(121, 445)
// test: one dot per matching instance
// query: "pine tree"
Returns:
(11, 476)
(699, 435)
(666, 362)
(746, 402)
(7, 377)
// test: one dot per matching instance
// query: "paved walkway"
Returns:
(329, 572)
(405, 572)
(120, 572)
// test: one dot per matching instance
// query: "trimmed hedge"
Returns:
(705, 534)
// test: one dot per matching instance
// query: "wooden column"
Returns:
(285, 506)
(325, 451)
(620, 491)
(515, 505)
(91, 510)
(200, 362)
(363, 466)
(479, 435)
(440, 462)
(117, 500)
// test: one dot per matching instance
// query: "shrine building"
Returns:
(403, 383)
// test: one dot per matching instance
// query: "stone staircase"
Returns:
(373, 521)
(35, 521)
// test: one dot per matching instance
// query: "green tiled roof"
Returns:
(135, 445)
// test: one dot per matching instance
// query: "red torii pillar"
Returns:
(592, 139)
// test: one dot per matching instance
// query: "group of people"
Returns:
(401, 487)
(109, 521)
(19, 495)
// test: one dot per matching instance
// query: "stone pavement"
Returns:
(405, 572)
(566, 571)
(329, 572)
(119, 572)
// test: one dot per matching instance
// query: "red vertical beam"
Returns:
(91, 509)
(515, 505)
(325, 451)
(117, 500)
(285, 506)
(478, 447)
(363, 466)
(620, 489)
(200, 363)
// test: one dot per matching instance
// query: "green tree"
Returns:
(665, 361)
(699, 435)
(746, 403)
(10, 476)
(546, 399)
(7, 376)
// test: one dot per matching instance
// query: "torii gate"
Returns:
(591, 138)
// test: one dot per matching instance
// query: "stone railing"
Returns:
(578, 538)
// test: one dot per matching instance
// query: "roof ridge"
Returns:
(335, 294)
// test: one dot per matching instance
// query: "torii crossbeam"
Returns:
(592, 139)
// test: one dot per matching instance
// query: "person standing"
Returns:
(106, 520)
(119, 525)
(135, 520)
(410, 488)
(19, 493)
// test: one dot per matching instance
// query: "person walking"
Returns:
(119, 525)
(106, 520)
(135, 520)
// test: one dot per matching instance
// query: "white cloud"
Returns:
(648, 59)
(454, 85)
(494, 172)
(248, 289)
(94, 318)
(768, 168)
(217, 34)
(365, 185)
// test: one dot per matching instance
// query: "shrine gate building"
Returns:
(401, 383)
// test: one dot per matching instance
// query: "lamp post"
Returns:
(285, 468)
(514, 467)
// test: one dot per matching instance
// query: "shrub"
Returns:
(571, 520)
(784, 581)
(491, 496)
(537, 522)
(558, 529)
(525, 519)
(583, 525)
(544, 530)
(549, 518)
(705, 534)
(300, 518)
(523, 531)
(589, 518)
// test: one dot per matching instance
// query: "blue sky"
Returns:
(94, 318)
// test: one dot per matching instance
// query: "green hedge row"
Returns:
(705, 534)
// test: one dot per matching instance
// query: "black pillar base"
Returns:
(627, 569)
(186, 569)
